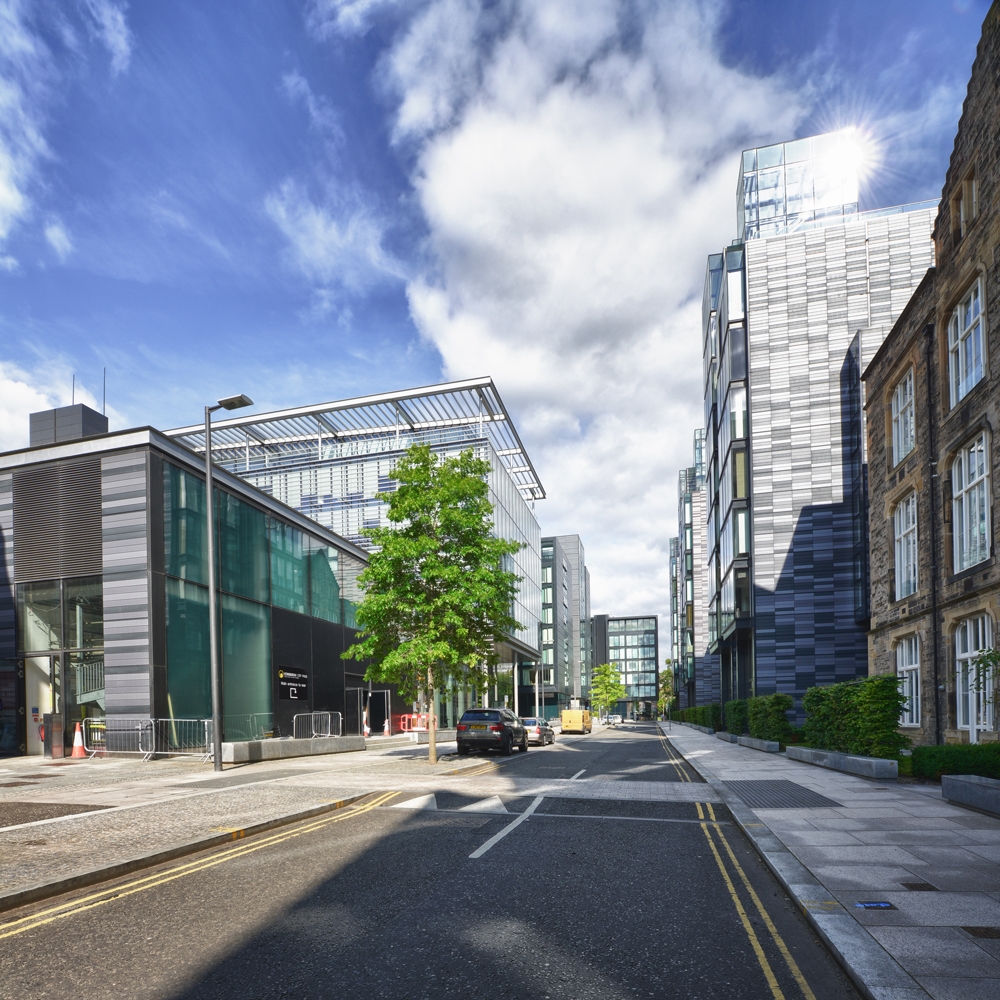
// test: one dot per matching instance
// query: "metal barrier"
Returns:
(244, 728)
(311, 725)
(147, 737)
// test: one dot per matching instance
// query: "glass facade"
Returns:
(632, 649)
(262, 561)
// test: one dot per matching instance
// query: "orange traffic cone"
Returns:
(78, 752)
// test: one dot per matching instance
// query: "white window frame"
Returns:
(971, 501)
(903, 426)
(904, 523)
(972, 636)
(966, 364)
(908, 673)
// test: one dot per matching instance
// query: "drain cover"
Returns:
(779, 794)
(919, 886)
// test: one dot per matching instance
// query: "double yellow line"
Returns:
(710, 827)
(73, 907)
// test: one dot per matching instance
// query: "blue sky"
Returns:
(324, 198)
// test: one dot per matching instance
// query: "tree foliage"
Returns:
(858, 717)
(666, 696)
(606, 689)
(438, 591)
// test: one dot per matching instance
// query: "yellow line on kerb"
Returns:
(668, 750)
(96, 899)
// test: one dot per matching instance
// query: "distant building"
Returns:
(632, 645)
(696, 669)
(933, 405)
(793, 310)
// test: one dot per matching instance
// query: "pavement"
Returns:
(602, 866)
(928, 871)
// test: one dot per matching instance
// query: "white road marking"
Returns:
(420, 802)
(497, 837)
(491, 805)
(577, 775)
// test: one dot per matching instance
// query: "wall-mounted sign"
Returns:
(293, 685)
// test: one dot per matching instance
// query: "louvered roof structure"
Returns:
(472, 404)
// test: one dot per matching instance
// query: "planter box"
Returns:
(728, 737)
(866, 767)
(972, 790)
(691, 725)
(768, 746)
(251, 750)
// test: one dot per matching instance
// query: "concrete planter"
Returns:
(728, 737)
(767, 746)
(973, 791)
(866, 767)
(252, 750)
(691, 725)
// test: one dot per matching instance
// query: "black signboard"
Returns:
(293, 685)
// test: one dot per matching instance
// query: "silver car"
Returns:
(539, 731)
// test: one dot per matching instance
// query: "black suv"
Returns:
(491, 729)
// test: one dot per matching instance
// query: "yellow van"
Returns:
(575, 720)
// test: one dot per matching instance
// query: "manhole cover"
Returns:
(779, 794)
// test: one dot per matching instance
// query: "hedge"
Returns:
(857, 717)
(701, 715)
(980, 758)
(767, 719)
(736, 716)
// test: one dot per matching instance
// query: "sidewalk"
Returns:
(835, 840)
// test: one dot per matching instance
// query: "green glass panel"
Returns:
(184, 527)
(84, 623)
(242, 546)
(39, 616)
(189, 679)
(246, 668)
(324, 589)
(289, 567)
(350, 567)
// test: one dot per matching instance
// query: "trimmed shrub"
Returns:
(858, 717)
(979, 758)
(767, 717)
(709, 716)
(736, 716)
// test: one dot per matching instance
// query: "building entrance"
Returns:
(42, 696)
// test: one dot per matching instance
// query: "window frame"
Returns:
(960, 335)
(963, 658)
(903, 418)
(908, 675)
(904, 534)
(963, 491)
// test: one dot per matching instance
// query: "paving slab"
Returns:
(877, 839)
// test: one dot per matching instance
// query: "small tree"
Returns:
(666, 687)
(606, 689)
(437, 591)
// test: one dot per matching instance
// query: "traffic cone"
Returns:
(78, 752)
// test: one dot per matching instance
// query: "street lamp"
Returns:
(229, 403)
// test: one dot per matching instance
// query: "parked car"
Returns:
(539, 731)
(491, 729)
(614, 720)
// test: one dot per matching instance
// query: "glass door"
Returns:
(11, 709)
(42, 690)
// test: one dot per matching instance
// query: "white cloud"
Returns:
(336, 244)
(58, 239)
(344, 17)
(110, 27)
(573, 183)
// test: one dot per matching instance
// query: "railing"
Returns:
(147, 737)
(254, 726)
(311, 725)
(89, 677)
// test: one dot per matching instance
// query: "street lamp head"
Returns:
(235, 402)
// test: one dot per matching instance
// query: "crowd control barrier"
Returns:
(310, 725)
(147, 737)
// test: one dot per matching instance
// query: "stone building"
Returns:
(933, 401)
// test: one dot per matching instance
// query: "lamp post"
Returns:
(229, 403)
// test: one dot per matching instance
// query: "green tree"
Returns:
(438, 592)
(606, 689)
(666, 687)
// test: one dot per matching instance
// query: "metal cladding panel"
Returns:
(810, 294)
(7, 636)
(57, 519)
(124, 519)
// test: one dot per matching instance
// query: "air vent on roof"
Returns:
(57, 520)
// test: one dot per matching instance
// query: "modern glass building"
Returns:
(329, 461)
(566, 638)
(631, 644)
(793, 310)
(104, 597)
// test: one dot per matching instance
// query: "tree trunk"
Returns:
(432, 753)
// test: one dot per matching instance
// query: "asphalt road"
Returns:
(557, 897)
